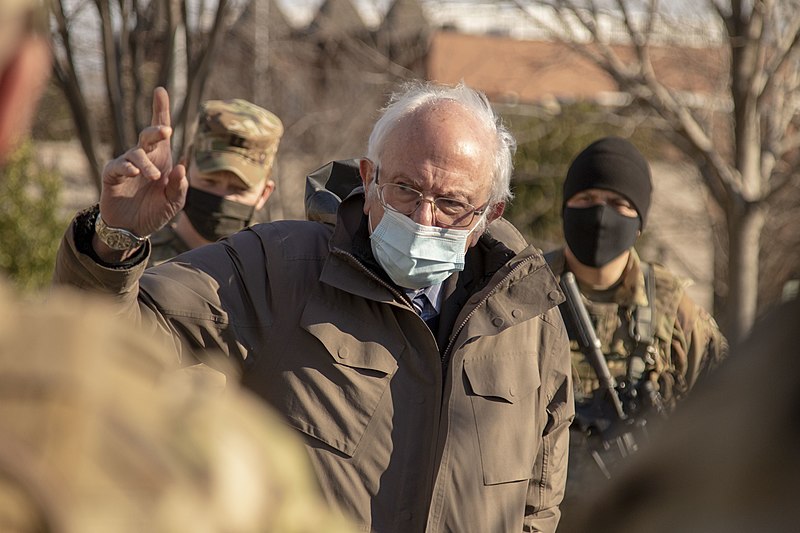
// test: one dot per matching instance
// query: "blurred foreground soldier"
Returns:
(99, 431)
(727, 460)
(416, 346)
(654, 341)
(229, 165)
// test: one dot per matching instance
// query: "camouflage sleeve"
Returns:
(697, 341)
(102, 433)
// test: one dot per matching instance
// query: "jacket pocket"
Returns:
(505, 408)
(335, 397)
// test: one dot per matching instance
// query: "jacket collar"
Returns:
(629, 291)
(351, 258)
(501, 256)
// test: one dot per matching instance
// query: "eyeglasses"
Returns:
(447, 212)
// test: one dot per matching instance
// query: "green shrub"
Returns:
(30, 223)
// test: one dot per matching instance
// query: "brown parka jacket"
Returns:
(469, 434)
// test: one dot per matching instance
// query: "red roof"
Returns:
(527, 71)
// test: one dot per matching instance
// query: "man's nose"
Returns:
(425, 213)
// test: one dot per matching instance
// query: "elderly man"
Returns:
(416, 346)
(228, 165)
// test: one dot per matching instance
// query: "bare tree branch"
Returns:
(172, 9)
(376, 61)
(786, 47)
(67, 79)
(763, 51)
(137, 44)
(643, 83)
(198, 68)
(783, 182)
(113, 78)
(137, 48)
(124, 55)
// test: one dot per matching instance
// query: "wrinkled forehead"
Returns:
(443, 119)
(444, 135)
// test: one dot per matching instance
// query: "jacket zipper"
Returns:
(445, 361)
(457, 330)
(371, 275)
(401, 297)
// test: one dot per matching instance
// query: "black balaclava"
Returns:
(215, 217)
(598, 234)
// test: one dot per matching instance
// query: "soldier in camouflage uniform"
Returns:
(655, 340)
(727, 461)
(229, 165)
(101, 433)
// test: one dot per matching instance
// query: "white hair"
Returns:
(416, 94)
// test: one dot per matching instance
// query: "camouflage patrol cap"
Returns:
(237, 136)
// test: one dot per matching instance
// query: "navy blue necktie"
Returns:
(425, 309)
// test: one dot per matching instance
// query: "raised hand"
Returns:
(142, 190)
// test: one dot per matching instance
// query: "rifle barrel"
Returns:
(590, 344)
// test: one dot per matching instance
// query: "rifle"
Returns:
(617, 432)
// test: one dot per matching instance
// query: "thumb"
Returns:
(177, 185)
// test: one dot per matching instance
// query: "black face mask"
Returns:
(598, 234)
(215, 217)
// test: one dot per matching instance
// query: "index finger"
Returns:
(161, 115)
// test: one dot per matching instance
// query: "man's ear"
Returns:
(269, 188)
(495, 212)
(365, 168)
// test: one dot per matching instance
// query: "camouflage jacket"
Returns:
(166, 244)
(687, 341)
(103, 432)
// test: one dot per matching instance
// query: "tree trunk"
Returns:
(113, 79)
(744, 232)
(82, 121)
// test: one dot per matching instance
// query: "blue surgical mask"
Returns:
(416, 256)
